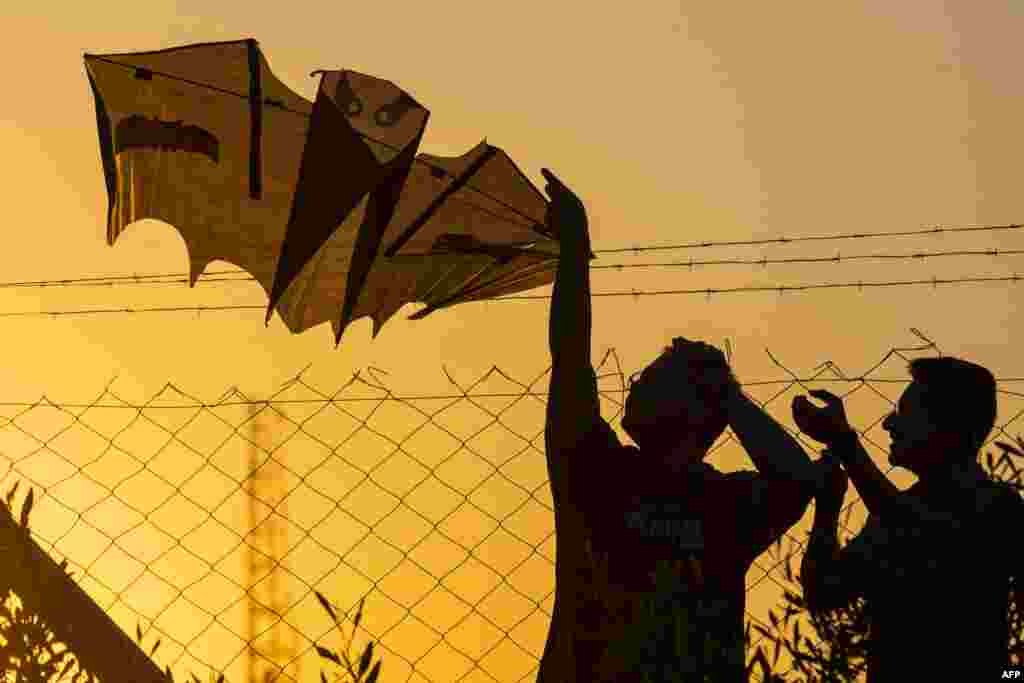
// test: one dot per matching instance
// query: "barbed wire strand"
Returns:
(636, 293)
(813, 238)
(216, 276)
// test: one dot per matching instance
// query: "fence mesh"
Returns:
(435, 509)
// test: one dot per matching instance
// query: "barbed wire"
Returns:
(636, 293)
(812, 238)
(838, 258)
(243, 276)
(860, 284)
(518, 470)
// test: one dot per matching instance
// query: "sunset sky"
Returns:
(674, 122)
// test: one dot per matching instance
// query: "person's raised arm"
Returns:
(572, 408)
(821, 571)
(881, 497)
(774, 451)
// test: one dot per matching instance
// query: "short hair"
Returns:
(670, 374)
(959, 393)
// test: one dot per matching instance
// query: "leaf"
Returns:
(359, 614)
(1010, 449)
(67, 667)
(26, 508)
(327, 654)
(153, 651)
(327, 606)
(760, 660)
(793, 598)
(364, 661)
(374, 673)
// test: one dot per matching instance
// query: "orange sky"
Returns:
(723, 121)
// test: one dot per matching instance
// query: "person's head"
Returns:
(675, 406)
(943, 416)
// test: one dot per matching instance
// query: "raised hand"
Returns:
(566, 216)
(825, 424)
(709, 361)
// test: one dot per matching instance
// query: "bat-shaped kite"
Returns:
(327, 203)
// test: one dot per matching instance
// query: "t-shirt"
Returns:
(937, 596)
(641, 519)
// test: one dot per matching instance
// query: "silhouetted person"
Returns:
(624, 514)
(932, 562)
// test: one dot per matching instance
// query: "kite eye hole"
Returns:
(355, 108)
(392, 113)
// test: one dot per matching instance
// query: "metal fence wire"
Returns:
(435, 509)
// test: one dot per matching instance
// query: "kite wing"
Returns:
(326, 204)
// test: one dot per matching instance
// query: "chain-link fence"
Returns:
(435, 509)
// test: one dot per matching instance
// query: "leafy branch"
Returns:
(30, 652)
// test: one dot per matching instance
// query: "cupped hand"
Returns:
(709, 361)
(825, 424)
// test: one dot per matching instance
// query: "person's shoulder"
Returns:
(630, 451)
(711, 473)
(599, 435)
(735, 475)
(753, 477)
(989, 489)
(992, 504)
(744, 483)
